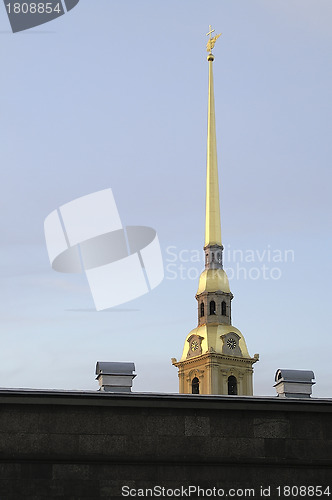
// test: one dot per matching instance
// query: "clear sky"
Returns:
(114, 94)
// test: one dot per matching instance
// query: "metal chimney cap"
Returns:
(304, 376)
(114, 368)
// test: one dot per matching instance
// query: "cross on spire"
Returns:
(210, 32)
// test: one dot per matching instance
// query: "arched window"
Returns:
(195, 386)
(223, 308)
(207, 258)
(212, 307)
(202, 309)
(212, 257)
(219, 257)
(232, 386)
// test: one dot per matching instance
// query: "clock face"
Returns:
(194, 345)
(231, 343)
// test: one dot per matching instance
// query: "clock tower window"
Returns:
(232, 386)
(195, 386)
(223, 308)
(212, 307)
(202, 309)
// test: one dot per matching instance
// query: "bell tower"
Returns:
(215, 358)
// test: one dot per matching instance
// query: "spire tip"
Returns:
(211, 42)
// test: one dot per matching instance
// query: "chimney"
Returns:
(294, 383)
(115, 377)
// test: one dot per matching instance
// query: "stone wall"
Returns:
(87, 445)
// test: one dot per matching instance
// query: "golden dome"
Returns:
(213, 280)
(211, 338)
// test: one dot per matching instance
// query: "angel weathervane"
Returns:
(212, 40)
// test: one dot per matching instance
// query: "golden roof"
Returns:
(211, 339)
(213, 280)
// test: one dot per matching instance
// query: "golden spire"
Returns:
(212, 217)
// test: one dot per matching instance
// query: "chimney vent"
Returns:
(294, 383)
(115, 376)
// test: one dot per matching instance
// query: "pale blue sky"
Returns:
(114, 94)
